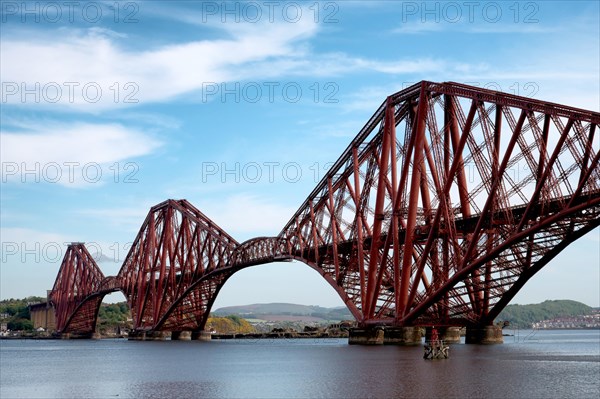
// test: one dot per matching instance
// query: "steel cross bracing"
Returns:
(449, 199)
(176, 246)
(75, 294)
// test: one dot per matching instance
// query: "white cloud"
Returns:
(245, 216)
(28, 239)
(431, 26)
(129, 219)
(26, 245)
(30, 255)
(71, 154)
(35, 256)
(367, 99)
(418, 27)
(90, 70)
(74, 68)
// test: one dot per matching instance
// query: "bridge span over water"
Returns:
(445, 204)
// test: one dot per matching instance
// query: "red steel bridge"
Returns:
(445, 204)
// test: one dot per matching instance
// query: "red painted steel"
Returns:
(175, 247)
(448, 200)
(74, 294)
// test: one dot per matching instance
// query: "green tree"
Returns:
(20, 325)
(523, 316)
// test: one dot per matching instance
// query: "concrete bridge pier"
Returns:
(93, 335)
(148, 335)
(136, 335)
(405, 336)
(201, 336)
(484, 335)
(450, 335)
(181, 335)
(366, 336)
(156, 335)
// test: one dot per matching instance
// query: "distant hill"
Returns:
(520, 316)
(523, 316)
(286, 312)
(229, 325)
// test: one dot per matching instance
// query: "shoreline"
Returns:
(213, 336)
(282, 335)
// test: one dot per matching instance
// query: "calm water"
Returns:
(547, 364)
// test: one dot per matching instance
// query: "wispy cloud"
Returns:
(417, 27)
(32, 253)
(92, 70)
(39, 254)
(426, 27)
(128, 219)
(246, 215)
(71, 154)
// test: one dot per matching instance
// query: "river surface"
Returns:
(542, 364)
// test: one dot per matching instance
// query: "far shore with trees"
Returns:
(116, 317)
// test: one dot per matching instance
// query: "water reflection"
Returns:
(546, 364)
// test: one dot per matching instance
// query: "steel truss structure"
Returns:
(445, 204)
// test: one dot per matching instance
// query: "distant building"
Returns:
(583, 321)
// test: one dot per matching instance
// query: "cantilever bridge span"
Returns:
(445, 204)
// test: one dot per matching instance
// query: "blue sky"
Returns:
(108, 108)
